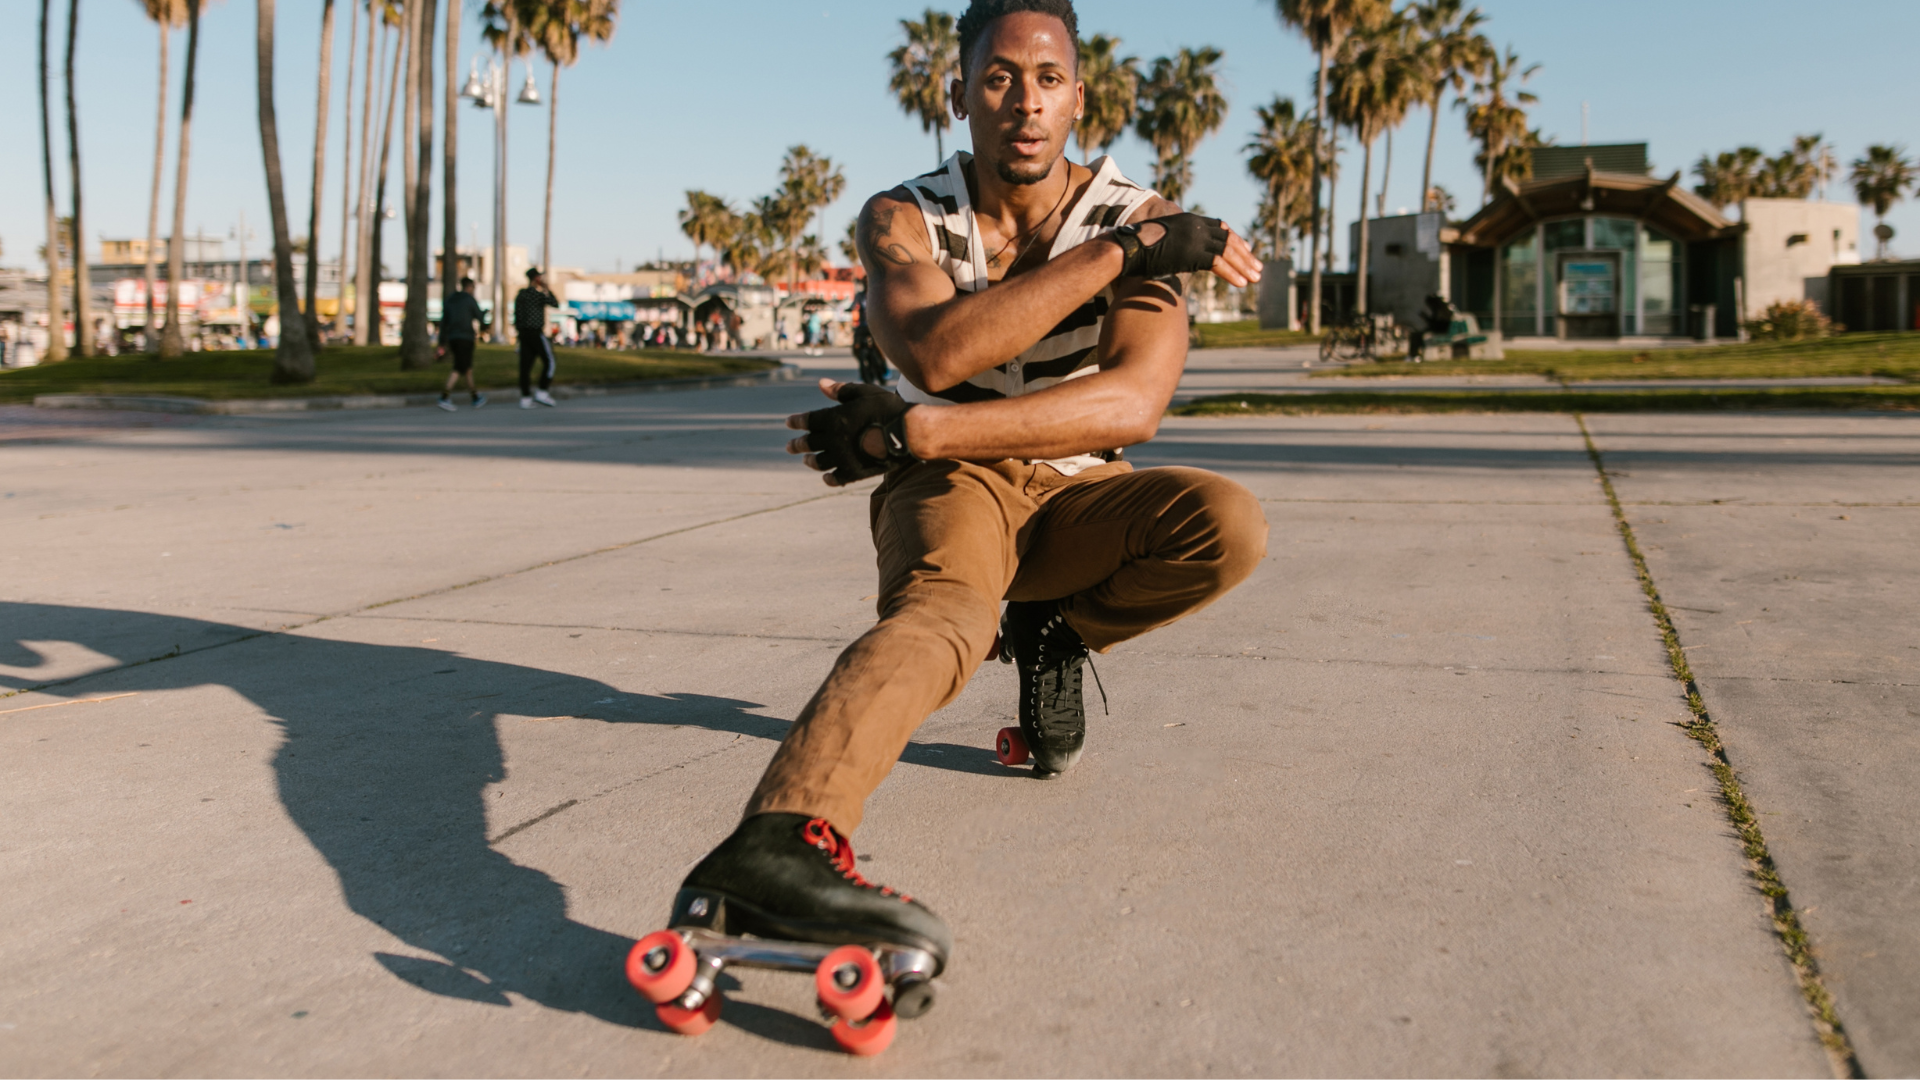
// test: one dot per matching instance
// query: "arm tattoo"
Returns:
(880, 241)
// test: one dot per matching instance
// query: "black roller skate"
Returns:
(782, 893)
(1034, 635)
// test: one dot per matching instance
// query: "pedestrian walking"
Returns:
(459, 314)
(530, 323)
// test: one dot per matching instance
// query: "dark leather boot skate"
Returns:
(791, 878)
(1034, 635)
(782, 893)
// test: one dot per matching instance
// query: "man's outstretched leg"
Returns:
(946, 554)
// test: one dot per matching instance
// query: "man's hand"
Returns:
(1183, 244)
(862, 436)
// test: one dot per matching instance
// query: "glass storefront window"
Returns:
(1613, 233)
(1658, 271)
(1565, 234)
(1519, 287)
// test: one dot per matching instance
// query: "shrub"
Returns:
(1789, 320)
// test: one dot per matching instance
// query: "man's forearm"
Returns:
(948, 343)
(1102, 411)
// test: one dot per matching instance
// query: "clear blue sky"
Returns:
(709, 94)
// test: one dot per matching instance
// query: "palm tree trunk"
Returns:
(450, 233)
(939, 145)
(346, 162)
(1360, 256)
(310, 309)
(1279, 220)
(553, 125)
(367, 321)
(56, 316)
(150, 341)
(293, 355)
(363, 205)
(1319, 149)
(82, 281)
(1433, 129)
(1333, 195)
(1386, 176)
(416, 334)
(173, 343)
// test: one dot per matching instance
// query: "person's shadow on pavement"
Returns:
(387, 755)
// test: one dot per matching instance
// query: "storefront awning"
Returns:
(601, 310)
(1663, 204)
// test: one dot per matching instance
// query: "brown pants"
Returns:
(1127, 551)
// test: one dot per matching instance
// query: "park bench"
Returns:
(1459, 339)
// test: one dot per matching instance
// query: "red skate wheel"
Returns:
(867, 1037)
(849, 983)
(660, 966)
(1010, 747)
(690, 1021)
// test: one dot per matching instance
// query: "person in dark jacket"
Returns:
(459, 315)
(530, 323)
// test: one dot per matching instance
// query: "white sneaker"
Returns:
(448, 405)
(526, 403)
(544, 398)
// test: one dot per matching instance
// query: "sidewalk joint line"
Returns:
(177, 651)
(1733, 798)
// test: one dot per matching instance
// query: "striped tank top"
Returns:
(1068, 351)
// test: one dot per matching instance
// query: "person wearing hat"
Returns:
(530, 323)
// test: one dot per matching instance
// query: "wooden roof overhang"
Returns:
(1662, 204)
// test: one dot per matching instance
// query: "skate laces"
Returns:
(1077, 652)
(839, 851)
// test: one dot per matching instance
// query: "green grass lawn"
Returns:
(1246, 334)
(1679, 399)
(343, 370)
(1895, 355)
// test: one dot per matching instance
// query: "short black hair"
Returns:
(466, 283)
(979, 13)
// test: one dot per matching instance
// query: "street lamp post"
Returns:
(489, 91)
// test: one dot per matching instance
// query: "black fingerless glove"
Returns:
(833, 435)
(1189, 245)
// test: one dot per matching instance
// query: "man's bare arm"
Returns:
(940, 337)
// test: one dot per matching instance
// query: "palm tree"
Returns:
(346, 155)
(293, 355)
(308, 308)
(1281, 158)
(1729, 177)
(56, 317)
(808, 184)
(373, 186)
(1450, 50)
(1369, 90)
(705, 221)
(1497, 119)
(167, 14)
(173, 343)
(82, 283)
(506, 32)
(1818, 154)
(559, 26)
(1180, 104)
(1881, 179)
(1515, 162)
(416, 336)
(922, 68)
(1113, 86)
(1325, 24)
(849, 245)
(450, 223)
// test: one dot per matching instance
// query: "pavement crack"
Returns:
(1733, 798)
(551, 811)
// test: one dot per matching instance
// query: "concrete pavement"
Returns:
(366, 743)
